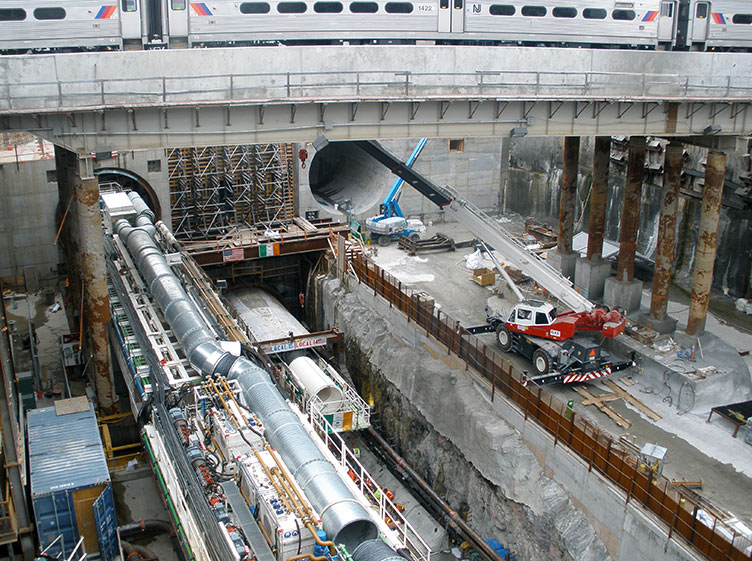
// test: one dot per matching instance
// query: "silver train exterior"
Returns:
(39, 25)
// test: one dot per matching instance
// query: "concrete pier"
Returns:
(624, 291)
(591, 273)
(707, 238)
(564, 258)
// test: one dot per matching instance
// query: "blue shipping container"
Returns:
(69, 473)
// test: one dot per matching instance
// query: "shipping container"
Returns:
(69, 473)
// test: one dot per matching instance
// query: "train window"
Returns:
(742, 18)
(364, 7)
(458, 4)
(254, 8)
(49, 13)
(291, 7)
(626, 15)
(12, 14)
(399, 7)
(327, 7)
(129, 5)
(501, 10)
(534, 11)
(444, 4)
(667, 10)
(594, 13)
(564, 12)
(178, 5)
(702, 10)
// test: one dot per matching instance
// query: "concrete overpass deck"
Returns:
(147, 99)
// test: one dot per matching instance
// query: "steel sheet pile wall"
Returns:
(68, 472)
(654, 492)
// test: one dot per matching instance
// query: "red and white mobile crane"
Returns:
(561, 346)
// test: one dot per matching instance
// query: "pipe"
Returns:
(342, 516)
(452, 516)
(146, 527)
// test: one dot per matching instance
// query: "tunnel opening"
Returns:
(124, 180)
(345, 179)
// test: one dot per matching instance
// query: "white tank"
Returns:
(317, 383)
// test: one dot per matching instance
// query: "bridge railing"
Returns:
(683, 517)
(375, 85)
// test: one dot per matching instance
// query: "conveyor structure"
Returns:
(246, 473)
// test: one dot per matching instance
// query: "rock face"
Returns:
(447, 430)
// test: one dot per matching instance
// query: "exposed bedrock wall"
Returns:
(537, 498)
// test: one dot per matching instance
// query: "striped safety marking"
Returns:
(201, 9)
(718, 18)
(650, 16)
(572, 378)
(105, 12)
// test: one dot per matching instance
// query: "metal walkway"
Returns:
(196, 97)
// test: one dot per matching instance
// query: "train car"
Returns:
(718, 24)
(43, 25)
(59, 25)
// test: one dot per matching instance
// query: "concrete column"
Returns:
(87, 268)
(630, 210)
(624, 291)
(591, 273)
(563, 259)
(598, 196)
(715, 170)
(664, 257)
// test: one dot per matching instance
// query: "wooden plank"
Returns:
(598, 402)
(621, 392)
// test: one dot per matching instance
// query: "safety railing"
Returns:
(194, 90)
(683, 517)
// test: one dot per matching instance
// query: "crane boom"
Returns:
(484, 228)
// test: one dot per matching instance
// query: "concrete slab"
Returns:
(563, 262)
(623, 294)
(590, 276)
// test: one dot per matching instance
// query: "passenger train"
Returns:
(44, 25)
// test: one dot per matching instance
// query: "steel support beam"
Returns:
(707, 239)
(568, 193)
(664, 255)
(9, 431)
(630, 211)
(598, 196)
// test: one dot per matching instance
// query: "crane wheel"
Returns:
(541, 361)
(504, 337)
(414, 237)
(384, 241)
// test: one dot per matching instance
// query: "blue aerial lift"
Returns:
(391, 222)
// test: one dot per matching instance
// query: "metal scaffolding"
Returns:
(217, 188)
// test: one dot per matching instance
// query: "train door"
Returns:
(178, 20)
(445, 16)
(700, 17)
(130, 23)
(154, 23)
(458, 16)
(667, 22)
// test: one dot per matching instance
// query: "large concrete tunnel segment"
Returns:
(341, 174)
